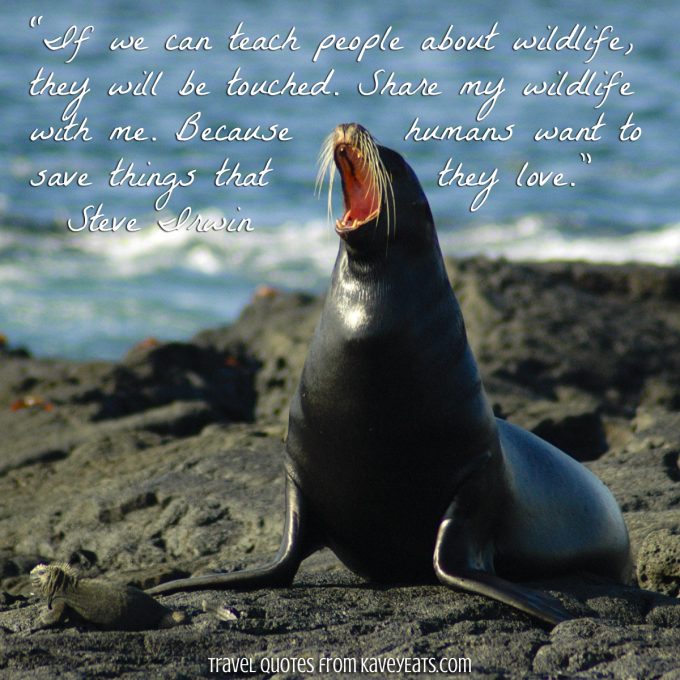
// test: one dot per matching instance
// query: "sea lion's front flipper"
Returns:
(451, 568)
(296, 544)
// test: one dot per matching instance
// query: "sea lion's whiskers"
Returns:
(380, 181)
(326, 166)
(377, 175)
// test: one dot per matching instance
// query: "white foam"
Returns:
(532, 238)
(301, 255)
(116, 288)
(282, 254)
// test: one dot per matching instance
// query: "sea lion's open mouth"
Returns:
(365, 181)
(359, 188)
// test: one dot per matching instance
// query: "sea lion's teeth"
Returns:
(338, 224)
(354, 224)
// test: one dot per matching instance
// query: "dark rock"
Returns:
(276, 331)
(658, 562)
(546, 326)
(158, 375)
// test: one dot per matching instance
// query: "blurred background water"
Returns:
(93, 295)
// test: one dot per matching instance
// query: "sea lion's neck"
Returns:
(376, 294)
(390, 267)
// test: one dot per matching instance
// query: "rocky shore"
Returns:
(169, 463)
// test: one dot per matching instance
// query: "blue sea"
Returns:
(94, 295)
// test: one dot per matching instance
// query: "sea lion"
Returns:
(394, 458)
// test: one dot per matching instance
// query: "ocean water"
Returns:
(94, 295)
